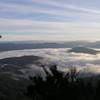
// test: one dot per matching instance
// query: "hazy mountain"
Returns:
(84, 50)
(22, 61)
(15, 65)
(13, 76)
(20, 45)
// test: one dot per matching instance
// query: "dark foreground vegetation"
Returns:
(61, 86)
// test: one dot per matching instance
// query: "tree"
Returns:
(60, 86)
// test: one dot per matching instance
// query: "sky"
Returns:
(50, 20)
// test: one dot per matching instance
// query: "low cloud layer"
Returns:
(83, 62)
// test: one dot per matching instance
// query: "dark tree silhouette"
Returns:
(61, 86)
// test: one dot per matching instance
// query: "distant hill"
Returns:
(20, 45)
(84, 50)
(13, 76)
(20, 61)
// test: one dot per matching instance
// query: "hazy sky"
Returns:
(56, 20)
